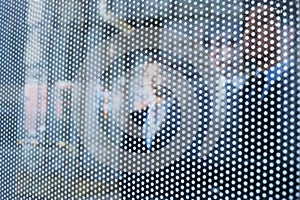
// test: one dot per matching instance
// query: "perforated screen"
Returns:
(149, 99)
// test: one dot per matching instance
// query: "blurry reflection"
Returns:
(153, 104)
(269, 98)
(146, 121)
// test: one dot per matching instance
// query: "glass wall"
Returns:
(149, 99)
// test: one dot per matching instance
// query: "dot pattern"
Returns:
(140, 99)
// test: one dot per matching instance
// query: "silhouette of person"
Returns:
(224, 47)
(153, 109)
(269, 108)
(161, 107)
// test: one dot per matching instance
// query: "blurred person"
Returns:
(157, 111)
(269, 119)
(152, 111)
(257, 98)
(164, 116)
(225, 51)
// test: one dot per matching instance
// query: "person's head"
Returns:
(261, 37)
(224, 47)
(153, 79)
(152, 73)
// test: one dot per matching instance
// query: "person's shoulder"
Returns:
(280, 67)
(279, 71)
